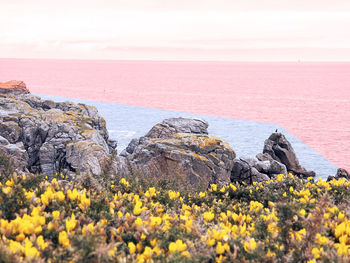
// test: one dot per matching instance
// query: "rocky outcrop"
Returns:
(51, 133)
(13, 86)
(341, 173)
(278, 157)
(279, 148)
(181, 147)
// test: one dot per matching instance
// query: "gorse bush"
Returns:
(283, 220)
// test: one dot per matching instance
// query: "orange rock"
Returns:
(13, 85)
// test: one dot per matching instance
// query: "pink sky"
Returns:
(250, 30)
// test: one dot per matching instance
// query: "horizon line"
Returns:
(183, 60)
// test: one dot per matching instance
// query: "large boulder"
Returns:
(200, 158)
(280, 149)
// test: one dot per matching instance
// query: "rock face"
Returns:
(279, 148)
(48, 134)
(181, 147)
(16, 151)
(251, 169)
(13, 86)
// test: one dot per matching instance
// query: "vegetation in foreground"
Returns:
(283, 220)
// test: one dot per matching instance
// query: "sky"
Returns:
(234, 30)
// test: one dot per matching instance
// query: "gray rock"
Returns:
(280, 149)
(246, 170)
(277, 168)
(86, 157)
(16, 152)
(167, 152)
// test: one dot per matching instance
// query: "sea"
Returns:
(244, 102)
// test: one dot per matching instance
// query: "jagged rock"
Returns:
(10, 130)
(250, 169)
(13, 86)
(16, 152)
(46, 128)
(86, 157)
(264, 157)
(341, 173)
(202, 159)
(241, 172)
(280, 149)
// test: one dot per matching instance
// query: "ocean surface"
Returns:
(243, 102)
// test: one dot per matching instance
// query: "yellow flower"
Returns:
(137, 208)
(220, 249)
(29, 250)
(55, 214)
(60, 195)
(151, 192)
(6, 190)
(302, 212)
(321, 240)
(316, 252)
(20, 237)
(177, 246)
(208, 216)
(250, 245)
(138, 222)
(132, 247)
(279, 177)
(63, 239)
(124, 182)
(84, 202)
(233, 187)
(201, 195)
(71, 223)
(14, 246)
(186, 254)
(173, 195)
(210, 242)
(41, 243)
(10, 183)
(111, 252)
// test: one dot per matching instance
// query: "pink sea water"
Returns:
(310, 100)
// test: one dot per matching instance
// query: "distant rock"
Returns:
(279, 148)
(13, 86)
(181, 147)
